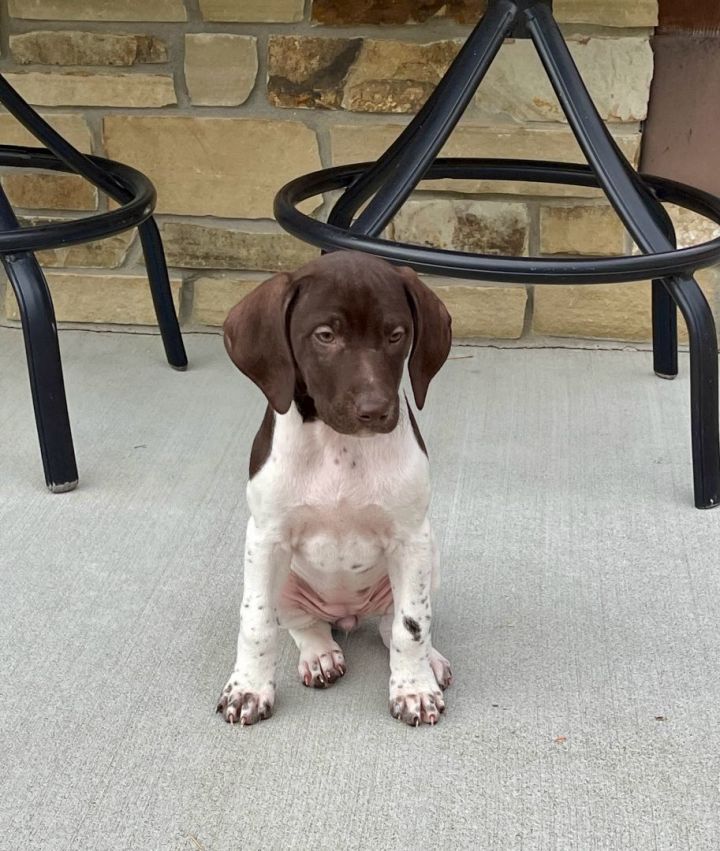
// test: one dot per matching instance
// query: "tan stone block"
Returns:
(309, 72)
(605, 311)
(227, 167)
(75, 88)
(253, 11)
(581, 229)
(497, 312)
(112, 299)
(349, 12)
(73, 127)
(220, 69)
(50, 192)
(483, 227)
(361, 143)
(396, 76)
(617, 72)
(608, 311)
(691, 228)
(197, 246)
(389, 76)
(106, 253)
(608, 13)
(85, 48)
(215, 296)
(361, 75)
(99, 10)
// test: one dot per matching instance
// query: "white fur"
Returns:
(321, 503)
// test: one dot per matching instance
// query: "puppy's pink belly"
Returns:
(345, 614)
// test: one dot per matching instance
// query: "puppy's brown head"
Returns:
(334, 336)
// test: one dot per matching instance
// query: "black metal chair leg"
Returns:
(152, 245)
(664, 309)
(644, 217)
(162, 295)
(45, 370)
(703, 389)
(665, 333)
(44, 363)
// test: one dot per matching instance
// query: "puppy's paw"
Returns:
(321, 667)
(441, 668)
(416, 701)
(242, 704)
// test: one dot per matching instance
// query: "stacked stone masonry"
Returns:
(220, 102)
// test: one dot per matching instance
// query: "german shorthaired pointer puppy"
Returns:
(339, 485)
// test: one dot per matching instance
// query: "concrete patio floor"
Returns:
(579, 606)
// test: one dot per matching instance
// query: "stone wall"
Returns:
(222, 101)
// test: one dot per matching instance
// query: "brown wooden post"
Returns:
(683, 126)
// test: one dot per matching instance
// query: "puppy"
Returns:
(339, 483)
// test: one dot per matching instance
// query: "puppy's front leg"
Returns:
(249, 694)
(415, 696)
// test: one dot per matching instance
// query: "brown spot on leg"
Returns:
(412, 626)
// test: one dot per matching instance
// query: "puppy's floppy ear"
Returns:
(433, 334)
(256, 339)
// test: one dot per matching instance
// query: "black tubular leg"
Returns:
(665, 333)
(152, 246)
(44, 364)
(394, 176)
(162, 294)
(664, 315)
(45, 370)
(703, 388)
(639, 211)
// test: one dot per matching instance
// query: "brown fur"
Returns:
(351, 383)
(262, 445)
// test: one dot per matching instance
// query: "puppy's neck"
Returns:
(305, 406)
(315, 432)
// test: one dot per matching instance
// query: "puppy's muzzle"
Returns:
(373, 411)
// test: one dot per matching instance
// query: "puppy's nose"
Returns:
(372, 410)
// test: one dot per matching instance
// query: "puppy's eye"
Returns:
(325, 334)
(397, 335)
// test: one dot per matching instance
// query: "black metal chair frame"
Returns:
(386, 184)
(136, 196)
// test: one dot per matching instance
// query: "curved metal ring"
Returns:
(97, 226)
(501, 269)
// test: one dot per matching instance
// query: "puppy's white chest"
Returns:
(339, 538)
(340, 506)
(328, 490)
(342, 519)
(339, 523)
